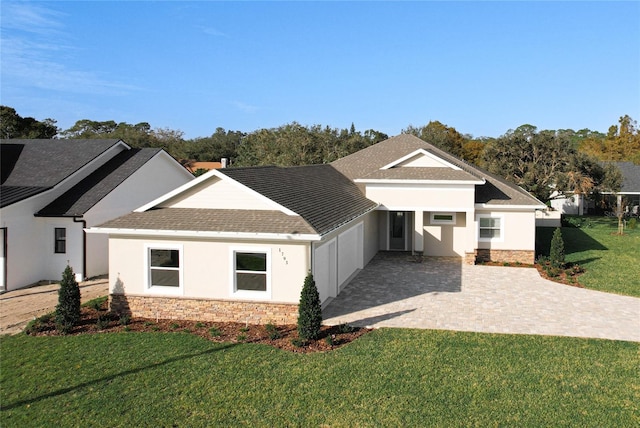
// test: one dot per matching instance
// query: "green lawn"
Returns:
(387, 378)
(612, 262)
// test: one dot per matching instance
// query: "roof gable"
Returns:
(30, 167)
(420, 159)
(84, 195)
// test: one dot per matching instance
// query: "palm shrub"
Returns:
(68, 308)
(309, 310)
(556, 252)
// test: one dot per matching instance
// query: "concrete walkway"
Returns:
(396, 291)
(18, 307)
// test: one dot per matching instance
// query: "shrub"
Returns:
(309, 310)
(215, 332)
(632, 223)
(39, 324)
(272, 331)
(125, 319)
(556, 252)
(103, 322)
(298, 342)
(199, 325)
(68, 308)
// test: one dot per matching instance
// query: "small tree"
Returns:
(68, 309)
(556, 253)
(309, 310)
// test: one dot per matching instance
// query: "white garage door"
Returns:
(325, 270)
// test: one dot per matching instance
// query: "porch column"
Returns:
(418, 231)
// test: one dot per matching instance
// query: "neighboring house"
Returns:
(607, 202)
(52, 189)
(192, 167)
(237, 243)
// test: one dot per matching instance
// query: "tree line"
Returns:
(545, 162)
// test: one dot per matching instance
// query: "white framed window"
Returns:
(490, 228)
(164, 269)
(443, 218)
(251, 272)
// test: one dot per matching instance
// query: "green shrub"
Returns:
(272, 331)
(309, 310)
(215, 332)
(125, 319)
(241, 337)
(556, 252)
(174, 325)
(102, 322)
(298, 342)
(39, 324)
(632, 223)
(345, 328)
(68, 308)
(199, 325)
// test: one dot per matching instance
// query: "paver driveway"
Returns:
(396, 291)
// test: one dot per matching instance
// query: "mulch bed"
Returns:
(567, 276)
(95, 320)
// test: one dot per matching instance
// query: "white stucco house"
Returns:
(52, 190)
(237, 243)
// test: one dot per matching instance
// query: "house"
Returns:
(236, 244)
(52, 189)
(192, 167)
(607, 201)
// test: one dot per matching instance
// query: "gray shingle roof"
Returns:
(631, 177)
(84, 195)
(366, 163)
(33, 166)
(325, 198)
(212, 220)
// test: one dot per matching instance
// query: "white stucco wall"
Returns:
(519, 230)
(445, 240)
(208, 266)
(409, 197)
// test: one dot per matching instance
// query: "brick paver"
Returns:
(396, 291)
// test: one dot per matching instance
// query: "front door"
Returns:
(397, 230)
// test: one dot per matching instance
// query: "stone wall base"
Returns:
(503, 256)
(182, 308)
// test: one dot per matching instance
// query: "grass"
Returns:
(610, 261)
(386, 378)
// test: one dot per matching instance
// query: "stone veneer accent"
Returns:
(503, 256)
(182, 308)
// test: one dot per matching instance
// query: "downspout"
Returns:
(84, 245)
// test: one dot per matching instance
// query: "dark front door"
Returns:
(397, 230)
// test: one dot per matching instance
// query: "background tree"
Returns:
(309, 310)
(622, 142)
(544, 163)
(12, 125)
(442, 136)
(68, 308)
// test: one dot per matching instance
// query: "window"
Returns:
(443, 218)
(60, 240)
(251, 272)
(490, 228)
(164, 273)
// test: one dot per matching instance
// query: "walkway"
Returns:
(396, 291)
(18, 307)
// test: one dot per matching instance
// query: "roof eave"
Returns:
(413, 181)
(205, 234)
(510, 207)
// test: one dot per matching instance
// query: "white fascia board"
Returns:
(402, 181)
(620, 193)
(509, 207)
(423, 208)
(171, 159)
(421, 152)
(207, 176)
(203, 234)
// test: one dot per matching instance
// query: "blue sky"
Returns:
(481, 67)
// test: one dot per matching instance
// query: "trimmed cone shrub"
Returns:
(556, 252)
(309, 310)
(68, 309)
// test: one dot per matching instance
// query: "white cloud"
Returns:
(34, 45)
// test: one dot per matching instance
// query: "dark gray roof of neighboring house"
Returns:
(84, 195)
(366, 163)
(212, 220)
(29, 167)
(631, 176)
(324, 197)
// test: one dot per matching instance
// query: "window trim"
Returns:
(501, 228)
(433, 220)
(249, 294)
(159, 289)
(57, 240)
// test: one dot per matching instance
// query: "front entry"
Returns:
(397, 230)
